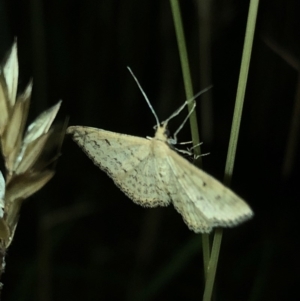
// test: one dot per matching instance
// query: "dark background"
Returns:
(80, 237)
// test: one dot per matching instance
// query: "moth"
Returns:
(151, 173)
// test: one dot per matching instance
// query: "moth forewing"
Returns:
(128, 160)
(219, 206)
(203, 201)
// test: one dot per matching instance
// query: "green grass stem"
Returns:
(189, 94)
(237, 116)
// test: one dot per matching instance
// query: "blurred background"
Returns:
(80, 237)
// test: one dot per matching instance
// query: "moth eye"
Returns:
(167, 133)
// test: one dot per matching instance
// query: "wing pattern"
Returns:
(204, 202)
(128, 160)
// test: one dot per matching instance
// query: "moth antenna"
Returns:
(145, 96)
(186, 103)
(184, 121)
(174, 139)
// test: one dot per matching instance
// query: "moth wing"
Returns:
(194, 218)
(212, 201)
(128, 160)
(191, 214)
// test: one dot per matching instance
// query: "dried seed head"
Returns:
(26, 171)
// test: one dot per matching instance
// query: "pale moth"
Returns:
(152, 174)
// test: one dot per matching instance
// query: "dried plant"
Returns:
(28, 157)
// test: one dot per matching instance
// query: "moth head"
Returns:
(164, 127)
(163, 134)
